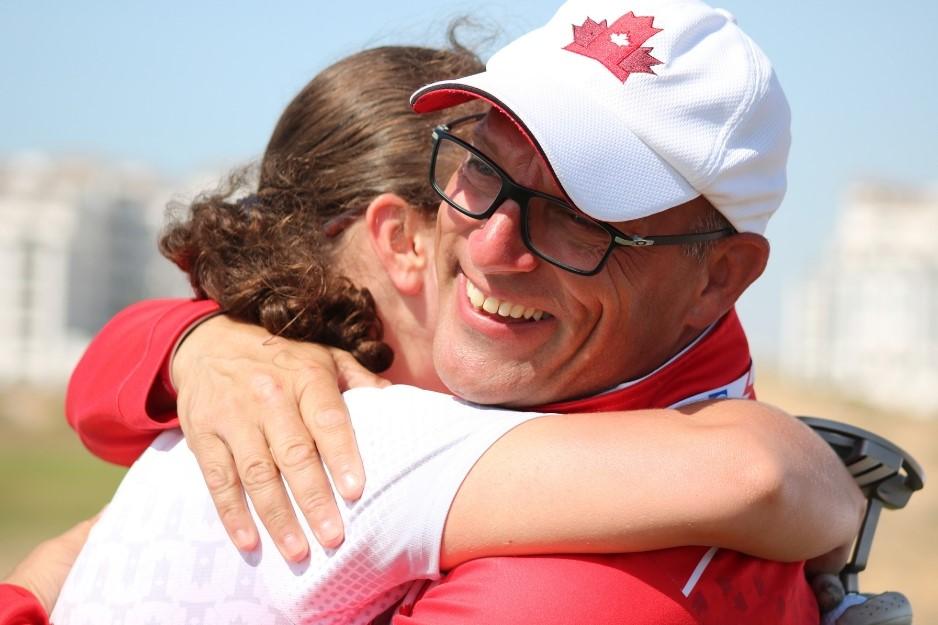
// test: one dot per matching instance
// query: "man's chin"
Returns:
(494, 387)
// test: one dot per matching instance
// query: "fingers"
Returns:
(296, 455)
(258, 411)
(221, 477)
(262, 483)
(352, 374)
(324, 412)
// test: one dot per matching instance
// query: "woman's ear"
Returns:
(394, 228)
(731, 265)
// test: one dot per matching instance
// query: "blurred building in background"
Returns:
(865, 319)
(77, 243)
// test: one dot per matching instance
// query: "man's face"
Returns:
(587, 333)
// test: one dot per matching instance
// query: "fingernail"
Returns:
(351, 482)
(329, 532)
(294, 546)
(245, 540)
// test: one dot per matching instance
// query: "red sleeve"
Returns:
(682, 586)
(118, 399)
(18, 606)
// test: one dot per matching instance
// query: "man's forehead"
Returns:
(502, 138)
(498, 131)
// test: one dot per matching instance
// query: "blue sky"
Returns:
(182, 86)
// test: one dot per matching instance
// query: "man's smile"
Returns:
(501, 307)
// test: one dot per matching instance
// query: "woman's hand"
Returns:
(253, 407)
(44, 570)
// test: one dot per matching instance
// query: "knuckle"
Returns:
(259, 472)
(319, 364)
(229, 512)
(265, 388)
(279, 520)
(342, 459)
(316, 503)
(297, 454)
(314, 380)
(199, 441)
(218, 477)
(331, 420)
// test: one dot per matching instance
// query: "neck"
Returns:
(716, 364)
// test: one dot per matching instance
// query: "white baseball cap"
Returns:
(641, 105)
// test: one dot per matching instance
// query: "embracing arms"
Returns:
(716, 474)
(736, 474)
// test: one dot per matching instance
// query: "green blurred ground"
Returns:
(48, 481)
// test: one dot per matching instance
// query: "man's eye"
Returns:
(576, 219)
(478, 167)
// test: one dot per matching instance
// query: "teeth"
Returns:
(495, 306)
(476, 297)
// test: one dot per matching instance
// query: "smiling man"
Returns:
(598, 225)
(524, 325)
(610, 208)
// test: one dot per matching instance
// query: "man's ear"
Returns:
(393, 227)
(731, 265)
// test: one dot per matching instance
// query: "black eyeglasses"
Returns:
(552, 229)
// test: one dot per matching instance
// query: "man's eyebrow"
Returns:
(488, 149)
(478, 139)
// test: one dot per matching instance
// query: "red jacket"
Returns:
(18, 606)
(119, 397)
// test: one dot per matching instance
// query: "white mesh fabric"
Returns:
(159, 554)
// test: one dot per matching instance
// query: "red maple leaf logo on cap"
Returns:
(618, 47)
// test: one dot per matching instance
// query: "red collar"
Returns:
(713, 361)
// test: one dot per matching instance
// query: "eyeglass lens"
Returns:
(553, 230)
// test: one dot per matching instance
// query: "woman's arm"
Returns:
(735, 474)
(29, 593)
(118, 400)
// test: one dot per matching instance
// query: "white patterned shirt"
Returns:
(159, 553)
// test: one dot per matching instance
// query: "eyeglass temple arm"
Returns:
(634, 240)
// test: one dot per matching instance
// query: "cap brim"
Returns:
(632, 183)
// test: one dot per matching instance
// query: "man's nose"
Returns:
(497, 246)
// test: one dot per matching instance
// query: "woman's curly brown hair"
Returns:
(347, 137)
